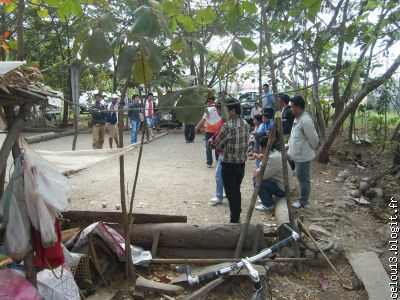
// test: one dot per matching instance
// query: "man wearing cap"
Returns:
(211, 119)
(112, 121)
(268, 100)
(262, 132)
(232, 139)
(98, 120)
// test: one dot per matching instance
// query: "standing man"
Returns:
(268, 100)
(134, 117)
(219, 190)
(232, 139)
(98, 120)
(211, 119)
(149, 112)
(303, 141)
(112, 121)
(287, 116)
(190, 133)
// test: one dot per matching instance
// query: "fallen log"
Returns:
(184, 235)
(116, 217)
(47, 136)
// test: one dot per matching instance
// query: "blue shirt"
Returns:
(264, 127)
(268, 100)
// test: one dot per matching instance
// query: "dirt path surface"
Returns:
(174, 180)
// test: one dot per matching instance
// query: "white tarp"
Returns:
(7, 66)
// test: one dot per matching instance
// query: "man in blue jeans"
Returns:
(303, 141)
(134, 117)
(273, 182)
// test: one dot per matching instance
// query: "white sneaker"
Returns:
(215, 201)
(259, 201)
(224, 195)
(264, 208)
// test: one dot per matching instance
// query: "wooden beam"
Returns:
(116, 217)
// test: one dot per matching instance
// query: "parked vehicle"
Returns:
(247, 99)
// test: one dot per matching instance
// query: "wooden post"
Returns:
(256, 190)
(278, 124)
(75, 70)
(11, 143)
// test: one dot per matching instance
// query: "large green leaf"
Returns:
(195, 90)
(173, 25)
(146, 23)
(165, 26)
(172, 8)
(125, 61)
(108, 23)
(141, 71)
(190, 109)
(233, 13)
(10, 7)
(251, 8)
(186, 22)
(165, 102)
(75, 7)
(99, 49)
(313, 7)
(198, 46)
(205, 16)
(52, 2)
(248, 44)
(155, 55)
(238, 51)
(176, 44)
(43, 13)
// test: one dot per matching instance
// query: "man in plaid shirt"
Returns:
(232, 139)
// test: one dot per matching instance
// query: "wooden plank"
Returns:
(153, 286)
(370, 271)
(116, 217)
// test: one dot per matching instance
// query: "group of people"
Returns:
(234, 141)
(105, 119)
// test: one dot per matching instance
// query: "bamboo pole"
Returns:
(256, 190)
(129, 270)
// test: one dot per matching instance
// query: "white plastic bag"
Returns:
(46, 194)
(14, 216)
(50, 184)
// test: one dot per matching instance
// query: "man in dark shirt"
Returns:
(134, 117)
(287, 116)
(99, 116)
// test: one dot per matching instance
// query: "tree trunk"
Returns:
(184, 235)
(316, 100)
(351, 126)
(323, 153)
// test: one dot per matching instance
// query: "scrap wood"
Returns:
(150, 285)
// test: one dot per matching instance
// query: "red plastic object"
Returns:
(14, 286)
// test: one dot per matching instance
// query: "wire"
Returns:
(204, 106)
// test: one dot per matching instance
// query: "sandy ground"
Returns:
(174, 180)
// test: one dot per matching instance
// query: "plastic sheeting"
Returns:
(7, 66)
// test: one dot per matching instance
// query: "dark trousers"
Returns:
(189, 133)
(209, 150)
(232, 175)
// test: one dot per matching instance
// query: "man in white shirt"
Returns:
(303, 141)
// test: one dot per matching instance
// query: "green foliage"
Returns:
(142, 72)
(248, 44)
(146, 22)
(238, 51)
(125, 61)
(98, 48)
